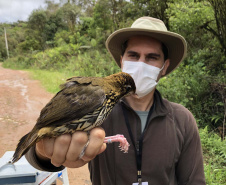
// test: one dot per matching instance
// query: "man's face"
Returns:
(147, 50)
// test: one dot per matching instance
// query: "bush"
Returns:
(92, 63)
(186, 86)
(68, 58)
(214, 151)
(19, 62)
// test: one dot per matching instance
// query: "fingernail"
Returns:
(55, 164)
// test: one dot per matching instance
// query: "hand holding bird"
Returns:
(65, 149)
(82, 104)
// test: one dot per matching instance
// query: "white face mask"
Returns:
(144, 75)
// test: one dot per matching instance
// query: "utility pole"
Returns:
(6, 43)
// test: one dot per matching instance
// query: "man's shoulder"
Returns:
(180, 113)
(176, 107)
(182, 117)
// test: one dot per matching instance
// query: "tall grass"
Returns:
(214, 151)
(50, 80)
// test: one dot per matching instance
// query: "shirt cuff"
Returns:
(41, 164)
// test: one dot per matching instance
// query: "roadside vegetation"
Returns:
(67, 39)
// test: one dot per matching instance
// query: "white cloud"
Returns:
(14, 10)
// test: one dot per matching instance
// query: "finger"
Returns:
(74, 164)
(40, 149)
(60, 149)
(48, 146)
(79, 163)
(102, 149)
(96, 139)
(79, 140)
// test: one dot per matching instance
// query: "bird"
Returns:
(81, 104)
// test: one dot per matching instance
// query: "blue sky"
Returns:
(14, 10)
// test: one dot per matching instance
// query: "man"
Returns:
(165, 145)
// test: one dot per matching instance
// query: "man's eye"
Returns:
(133, 56)
(151, 58)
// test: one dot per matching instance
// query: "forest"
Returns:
(68, 39)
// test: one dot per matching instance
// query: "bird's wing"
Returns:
(74, 101)
(82, 80)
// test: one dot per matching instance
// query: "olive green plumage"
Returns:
(82, 104)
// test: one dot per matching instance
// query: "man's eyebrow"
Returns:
(153, 55)
(131, 52)
(149, 54)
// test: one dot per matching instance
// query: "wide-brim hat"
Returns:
(155, 28)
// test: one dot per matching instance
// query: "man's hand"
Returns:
(65, 150)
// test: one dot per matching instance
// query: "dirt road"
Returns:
(21, 100)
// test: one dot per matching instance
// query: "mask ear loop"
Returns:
(162, 67)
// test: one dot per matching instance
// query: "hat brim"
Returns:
(176, 44)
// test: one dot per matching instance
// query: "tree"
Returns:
(102, 21)
(153, 8)
(203, 69)
(54, 24)
(3, 54)
(37, 22)
(219, 7)
(71, 14)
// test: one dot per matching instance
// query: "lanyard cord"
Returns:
(138, 150)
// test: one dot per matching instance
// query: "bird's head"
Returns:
(122, 83)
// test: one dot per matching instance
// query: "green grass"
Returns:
(50, 80)
(214, 151)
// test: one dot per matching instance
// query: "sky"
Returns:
(14, 10)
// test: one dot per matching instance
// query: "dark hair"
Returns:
(124, 46)
(164, 49)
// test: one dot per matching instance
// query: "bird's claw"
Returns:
(123, 143)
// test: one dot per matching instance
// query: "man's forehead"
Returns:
(141, 39)
(144, 43)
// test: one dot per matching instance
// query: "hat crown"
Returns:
(149, 23)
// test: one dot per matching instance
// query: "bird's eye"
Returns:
(128, 88)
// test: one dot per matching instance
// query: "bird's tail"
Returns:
(25, 143)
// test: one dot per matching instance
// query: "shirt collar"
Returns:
(160, 105)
